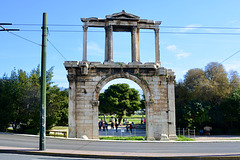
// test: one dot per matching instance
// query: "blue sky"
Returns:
(179, 52)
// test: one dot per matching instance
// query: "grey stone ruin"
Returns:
(86, 79)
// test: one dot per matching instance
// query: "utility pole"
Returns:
(42, 141)
(5, 29)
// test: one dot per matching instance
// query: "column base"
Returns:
(108, 62)
(134, 63)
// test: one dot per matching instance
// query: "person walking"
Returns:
(116, 126)
(112, 125)
(106, 126)
(131, 127)
(127, 127)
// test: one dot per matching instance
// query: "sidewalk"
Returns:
(118, 155)
(218, 138)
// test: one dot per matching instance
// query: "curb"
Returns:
(123, 156)
(127, 141)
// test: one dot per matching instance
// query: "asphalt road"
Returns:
(9, 140)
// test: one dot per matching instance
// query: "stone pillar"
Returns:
(138, 47)
(72, 103)
(85, 43)
(135, 44)
(157, 47)
(106, 44)
(95, 133)
(171, 106)
(149, 120)
(110, 44)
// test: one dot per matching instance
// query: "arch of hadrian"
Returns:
(86, 79)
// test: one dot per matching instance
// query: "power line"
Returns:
(230, 56)
(192, 27)
(187, 33)
(25, 38)
(199, 27)
(57, 49)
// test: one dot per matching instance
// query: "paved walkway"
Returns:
(118, 155)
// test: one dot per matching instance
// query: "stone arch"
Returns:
(86, 79)
(141, 82)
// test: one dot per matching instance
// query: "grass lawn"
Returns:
(59, 128)
(182, 138)
(136, 138)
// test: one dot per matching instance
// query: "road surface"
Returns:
(127, 148)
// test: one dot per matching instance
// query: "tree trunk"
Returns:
(119, 120)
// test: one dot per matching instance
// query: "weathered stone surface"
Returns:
(86, 79)
(84, 95)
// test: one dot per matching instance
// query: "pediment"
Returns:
(123, 16)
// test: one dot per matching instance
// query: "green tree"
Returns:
(209, 86)
(119, 99)
(234, 80)
(217, 87)
(7, 106)
(196, 114)
(183, 96)
(230, 108)
(20, 100)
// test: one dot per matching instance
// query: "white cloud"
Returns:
(93, 46)
(235, 65)
(183, 55)
(179, 52)
(172, 48)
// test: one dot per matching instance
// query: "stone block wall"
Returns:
(86, 79)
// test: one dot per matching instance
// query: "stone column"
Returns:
(135, 44)
(106, 44)
(171, 105)
(149, 120)
(138, 47)
(95, 133)
(110, 44)
(85, 43)
(157, 47)
(72, 103)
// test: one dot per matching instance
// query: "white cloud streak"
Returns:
(179, 52)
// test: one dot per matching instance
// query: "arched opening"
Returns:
(124, 124)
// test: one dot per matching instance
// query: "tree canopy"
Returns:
(20, 100)
(205, 97)
(119, 99)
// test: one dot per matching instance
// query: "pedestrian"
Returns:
(116, 126)
(144, 120)
(112, 125)
(99, 125)
(132, 124)
(127, 127)
(131, 127)
(106, 126)
(141, 120)
(201, 132)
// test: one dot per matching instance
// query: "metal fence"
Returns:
(186, 132)
(122, 132)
